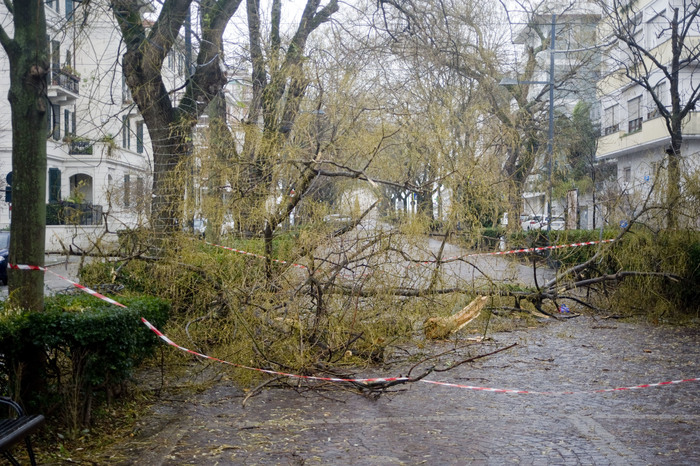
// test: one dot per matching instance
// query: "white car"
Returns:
(558, 223)
(533, 222)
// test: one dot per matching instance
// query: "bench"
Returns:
(15, 429)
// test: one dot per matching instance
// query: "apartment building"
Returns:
(98, 147)
(572, 67)
(634, 135)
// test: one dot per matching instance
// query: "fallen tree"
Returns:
(436, 328)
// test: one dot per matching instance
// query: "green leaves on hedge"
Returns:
(110, 340)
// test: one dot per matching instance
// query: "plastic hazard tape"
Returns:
(580, 392)
(407, 379)
(170, 342)
(446, 260)
(268, 371)
(519, 251)
(259, 256)
(75, 284)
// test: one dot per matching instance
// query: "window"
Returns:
(126, 132)
(139, 137)
(140, 193)
(610, 119)
(54, 185)
(634, 112)
(69, 9)
(56, 54)
(68, 123)
(658, 28)
(660, 91)
(627, 174)
(56, 128)
(127, 194)
(126, 92)
(637, 29)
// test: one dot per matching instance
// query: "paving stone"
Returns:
(429, 424)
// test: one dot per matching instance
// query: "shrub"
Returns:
(91, 346)
(674, 256)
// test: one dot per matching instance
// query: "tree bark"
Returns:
(170, 126)
(29, 67)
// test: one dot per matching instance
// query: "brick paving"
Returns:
(427, 424)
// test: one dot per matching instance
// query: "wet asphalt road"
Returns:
(422, 423)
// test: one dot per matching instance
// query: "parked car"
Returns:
(337, 219)
(534, 222)
(4, 253)
(558, 223)
(199, 227)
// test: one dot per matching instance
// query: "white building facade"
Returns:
(98, 147)
(634, 135)
(574, 62)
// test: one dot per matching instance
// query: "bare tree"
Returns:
(659, 53)
(169, 122)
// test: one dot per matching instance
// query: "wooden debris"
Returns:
(436, 328)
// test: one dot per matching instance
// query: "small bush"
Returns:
(91, 346)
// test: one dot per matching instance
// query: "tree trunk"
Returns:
(29, 105)
(28, 56)
(170, 126)
(673, 190)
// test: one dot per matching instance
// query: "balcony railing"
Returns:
(65, 80)
(71, 213)
(80, 148)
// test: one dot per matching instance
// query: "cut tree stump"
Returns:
(436, 328)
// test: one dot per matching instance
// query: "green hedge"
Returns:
(90, 346)
(675, 254)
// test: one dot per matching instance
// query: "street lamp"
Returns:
(550, 136)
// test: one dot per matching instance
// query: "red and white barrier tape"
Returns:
(518, 251)
(400, 378)
(267, 371)
(259, 256)
(580, 392)
(75, 284)
(167, 340)
(433, 261)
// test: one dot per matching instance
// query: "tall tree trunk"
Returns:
(170, 126)
(673, 190)
(29, 66)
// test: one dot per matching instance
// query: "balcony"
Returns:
(80, 147)
(64, 87)
(653, 134)
(71, 213)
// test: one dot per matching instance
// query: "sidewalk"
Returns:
(66, 266)
(429, 424)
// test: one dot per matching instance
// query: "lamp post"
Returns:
(550, 135)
